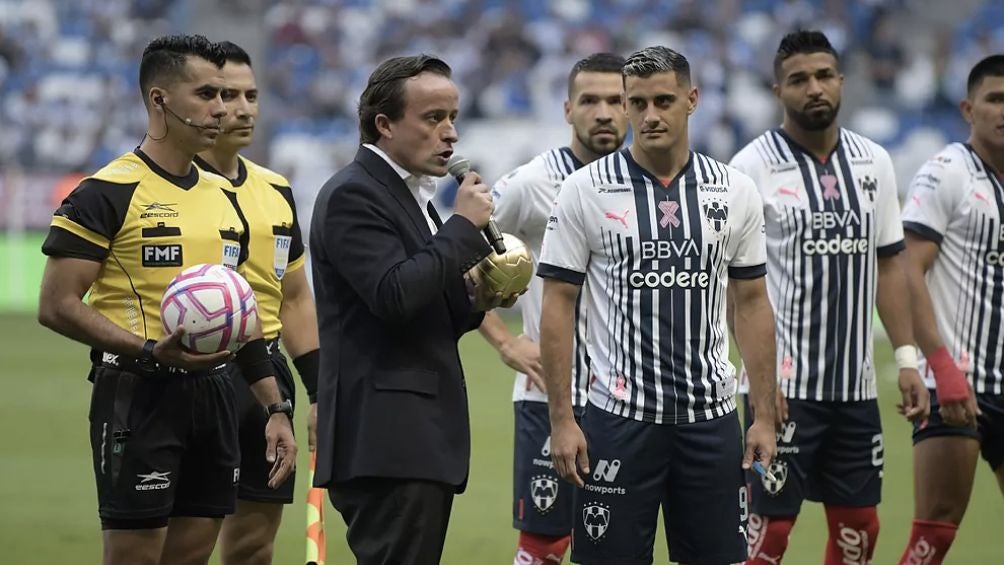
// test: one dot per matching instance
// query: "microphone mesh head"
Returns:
(458, 166)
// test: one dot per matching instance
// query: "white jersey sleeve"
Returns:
(508, 198)
(934, 195)
(565, 251)
(748, 162)
(751, 255)
(889, 235)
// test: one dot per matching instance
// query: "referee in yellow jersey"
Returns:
(275, 270)
(163, 421)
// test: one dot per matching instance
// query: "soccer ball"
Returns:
(214, 304)
(509, 273)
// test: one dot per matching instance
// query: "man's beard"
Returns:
(596, 149)
(816, 120)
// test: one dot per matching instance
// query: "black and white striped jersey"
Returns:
(657, 258)
(523, 201)
(957, 201)
(827, 223)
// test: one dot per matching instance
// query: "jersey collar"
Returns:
(635, 168)
(242, 170)
(798, 147)
(186, 182)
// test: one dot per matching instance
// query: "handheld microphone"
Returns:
(459, 167)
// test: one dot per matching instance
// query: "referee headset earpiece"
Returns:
(159, 100)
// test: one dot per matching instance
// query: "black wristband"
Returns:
(254, 361)
(308, 365)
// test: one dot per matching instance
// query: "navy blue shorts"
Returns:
(829, 452)
(693, 471)
(989, 427)
(163, 446)
(542, 501)
(252, 418)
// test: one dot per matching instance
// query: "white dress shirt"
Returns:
(422, 188)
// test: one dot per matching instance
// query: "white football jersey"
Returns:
(827, 224)
(957, 201)
(657, 258)
(523, 201)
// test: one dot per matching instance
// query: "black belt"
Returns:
(130, 364)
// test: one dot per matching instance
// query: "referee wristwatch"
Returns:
(146, 360)
(284, 407)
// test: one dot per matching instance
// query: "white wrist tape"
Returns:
(906, 357)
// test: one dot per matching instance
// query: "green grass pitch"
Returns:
(48, 500)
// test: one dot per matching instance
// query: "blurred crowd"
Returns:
(68, 95)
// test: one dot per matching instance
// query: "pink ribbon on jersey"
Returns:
(830, 191)
(669, 208)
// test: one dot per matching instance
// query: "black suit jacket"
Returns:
(391, 304)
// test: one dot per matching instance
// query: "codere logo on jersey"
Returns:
(672, 278)
(158, 210)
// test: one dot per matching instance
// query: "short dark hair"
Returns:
(802, 42)
(384, 93)
(992, 66)
(234, 53)
(164, 58)
(657, 59)
(596, 63)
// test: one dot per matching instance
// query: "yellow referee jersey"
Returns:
(275, 245)
(144, 225)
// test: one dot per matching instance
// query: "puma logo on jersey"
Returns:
(785, 191)
(622, 218)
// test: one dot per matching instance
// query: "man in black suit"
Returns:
(389, 276)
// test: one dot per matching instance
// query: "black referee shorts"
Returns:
(163, 446)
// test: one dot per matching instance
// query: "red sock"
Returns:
(929, 542)
(535, 549)
(768, 538)
(853, 531)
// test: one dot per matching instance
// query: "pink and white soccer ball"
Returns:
(214, 304)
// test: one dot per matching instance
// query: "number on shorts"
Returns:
(744, 503)
(877, 451)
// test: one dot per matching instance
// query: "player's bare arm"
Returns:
(918, 259)
(61, 308)
(299, 336)
(894, 308)
(518, 352)
(557, 321)
(280, 446)
(754, 330)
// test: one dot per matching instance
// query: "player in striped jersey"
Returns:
(660, 233)
(542, 503)
(954, 221)
(833, 235)
(275, 271)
